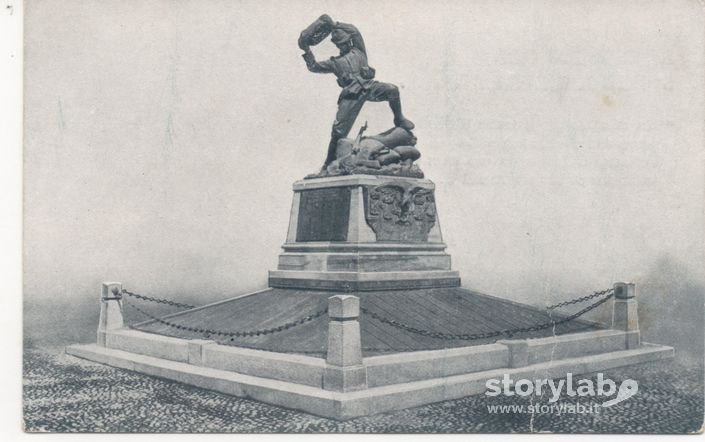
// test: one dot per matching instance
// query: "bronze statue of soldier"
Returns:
(354, 76)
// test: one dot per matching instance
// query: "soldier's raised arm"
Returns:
(323, 67)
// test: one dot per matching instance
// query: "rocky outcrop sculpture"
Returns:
(391, 152)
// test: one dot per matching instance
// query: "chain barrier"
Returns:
(231, 334)
(281, 328)
(572, 317)
(157, 300)
(579, 300)
(508, 332)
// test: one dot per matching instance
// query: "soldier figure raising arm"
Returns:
(354, 76)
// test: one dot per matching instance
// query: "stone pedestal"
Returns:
(364, 232)
(344, 368)
(625, 316)
(110, 310)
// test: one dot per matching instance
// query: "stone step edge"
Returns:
(363, 276)
(359, 403)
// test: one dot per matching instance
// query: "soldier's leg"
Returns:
(348, 110)
(390, 93)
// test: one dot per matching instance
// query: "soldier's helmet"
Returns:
(339, 36)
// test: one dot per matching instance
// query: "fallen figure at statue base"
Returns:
(390, 153)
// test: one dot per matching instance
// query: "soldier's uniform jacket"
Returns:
(351, 70)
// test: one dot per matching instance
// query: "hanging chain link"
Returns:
(157, 300)
(572, 317)
(579, 300)
(281, 328)
(492, 334)
(428, 333)
(231, 334)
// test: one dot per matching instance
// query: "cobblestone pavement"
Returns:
(67, 394)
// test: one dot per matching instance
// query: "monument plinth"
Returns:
(364, 232)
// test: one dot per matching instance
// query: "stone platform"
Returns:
(364, 233)
(338, 380)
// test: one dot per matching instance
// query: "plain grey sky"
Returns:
(162, 137)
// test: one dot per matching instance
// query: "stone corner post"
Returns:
(625, 315)
(110, 310)
(344, 369)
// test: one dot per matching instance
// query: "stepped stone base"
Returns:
(396, 381)
(364, 232)
(343, 381)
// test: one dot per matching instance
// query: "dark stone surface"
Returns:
(324, 214)
(449, 310)
(400, 211)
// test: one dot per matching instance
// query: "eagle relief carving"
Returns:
(400, 211)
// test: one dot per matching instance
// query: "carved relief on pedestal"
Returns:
(400, 211)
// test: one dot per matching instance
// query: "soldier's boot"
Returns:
(399, 119)
(332, 147)
(404, 123)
